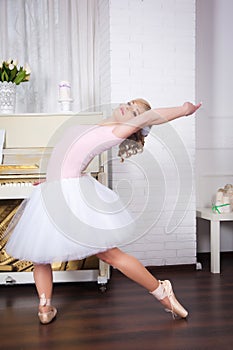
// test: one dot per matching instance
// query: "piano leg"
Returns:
(104, 275)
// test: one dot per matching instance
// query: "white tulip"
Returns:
(27, 68)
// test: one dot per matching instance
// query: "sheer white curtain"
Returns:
(59, 40)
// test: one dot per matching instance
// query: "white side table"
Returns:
(215, 220)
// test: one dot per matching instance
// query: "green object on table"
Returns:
(215, 208)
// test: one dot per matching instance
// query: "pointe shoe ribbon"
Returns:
(177, 309)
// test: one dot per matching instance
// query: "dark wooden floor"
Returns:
(125, 317)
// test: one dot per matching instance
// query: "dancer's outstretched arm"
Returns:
(154, 116)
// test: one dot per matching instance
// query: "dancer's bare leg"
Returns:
(44, 283)
(133, 269)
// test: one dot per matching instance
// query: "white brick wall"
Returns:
(152, 55)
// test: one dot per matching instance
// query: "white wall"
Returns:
(152, 55)
(214, 124)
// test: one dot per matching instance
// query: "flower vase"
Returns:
(7, 97)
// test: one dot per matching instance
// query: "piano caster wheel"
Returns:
(103, 287)
(10, 281)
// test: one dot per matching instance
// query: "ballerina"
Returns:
(72, 216)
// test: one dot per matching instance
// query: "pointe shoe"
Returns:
(177, 309)
(47, 317)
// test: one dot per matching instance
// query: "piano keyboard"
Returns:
(16, 189)
(16, 180)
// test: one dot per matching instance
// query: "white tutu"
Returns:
(67, 220)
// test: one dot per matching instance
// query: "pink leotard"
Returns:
(79, 145)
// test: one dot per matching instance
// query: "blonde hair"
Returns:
(135, 142)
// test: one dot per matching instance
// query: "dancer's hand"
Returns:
(36, 183)
(191, 108)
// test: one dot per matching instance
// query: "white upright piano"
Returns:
(29, 138)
